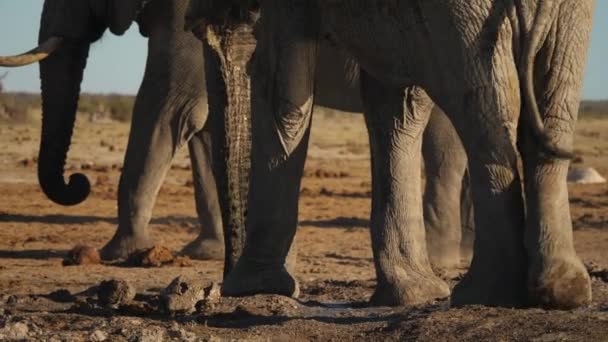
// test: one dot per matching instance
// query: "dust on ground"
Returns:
(42, 299)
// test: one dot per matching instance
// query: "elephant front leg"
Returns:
(395, 121)
(445, 163)
(282, 93)
(209, 245)
(147, 160)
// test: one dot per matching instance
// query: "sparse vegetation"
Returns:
(18, 107)
(22, 107)
(594, 109)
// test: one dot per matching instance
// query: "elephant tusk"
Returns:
(36, 55)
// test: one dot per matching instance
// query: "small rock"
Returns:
(181, 261)
(25, 162)
(86, 166)
(115, 292)
(584, 175)
(102, 180)
(82, 255)
(151, 335)
(101, 168)
(17, 331)
(98, 336)
(12, 300)
(182, 296)
(156, 256)
(182, 334)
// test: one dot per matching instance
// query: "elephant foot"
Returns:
(121, 246)
(249, 279)
(204, 249)
(559, 283)
(409, 288)
(492, 280)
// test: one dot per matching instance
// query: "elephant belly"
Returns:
(388, 38)
(413, 42)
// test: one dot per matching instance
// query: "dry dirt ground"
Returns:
(335, 264)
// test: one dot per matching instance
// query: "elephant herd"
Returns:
(241, 90)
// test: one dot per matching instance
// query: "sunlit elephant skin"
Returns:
(447, 201)
(463, 54)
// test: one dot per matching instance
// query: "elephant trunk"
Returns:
(61, 74)
(541, 24)
(232, 49)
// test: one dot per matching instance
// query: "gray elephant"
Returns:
(165, 109)
(170, 110)
(448, 210)
(484, 62)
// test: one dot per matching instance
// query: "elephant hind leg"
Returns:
(209, 245)
(445, 163)
(395, 120)
(497, 275)
(557, 277)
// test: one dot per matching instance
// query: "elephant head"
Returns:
(67, 29)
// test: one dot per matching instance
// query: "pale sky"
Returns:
(116, 64)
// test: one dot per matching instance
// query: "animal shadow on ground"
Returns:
(88, 219)
(344, 222)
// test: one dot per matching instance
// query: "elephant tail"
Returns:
(541, 25)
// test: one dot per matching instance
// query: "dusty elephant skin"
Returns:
(477, 84)
(447, 203)
(176, 112)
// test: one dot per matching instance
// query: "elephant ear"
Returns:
(122, 13)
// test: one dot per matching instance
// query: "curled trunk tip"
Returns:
(74, 192)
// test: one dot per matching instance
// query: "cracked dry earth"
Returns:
(42, 300)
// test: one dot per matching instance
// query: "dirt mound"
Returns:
(156, 256)
(82, 255)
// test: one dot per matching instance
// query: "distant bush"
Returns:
(16, 106)
(593, 110)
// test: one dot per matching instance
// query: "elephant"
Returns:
(163, 122)
(507, 73)
(170, 110)
(448, 212)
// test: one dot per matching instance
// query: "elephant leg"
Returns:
(158, 129)
(467, 219)
(445, 163)
(282, 96)
(556, 277)
(497, 275)
(395, 121)
(147, 160)
(209, 245)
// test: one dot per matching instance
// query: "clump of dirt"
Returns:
(322, 173)
(157, 256)
(115, 292)
(82, 255)
(183, 295)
